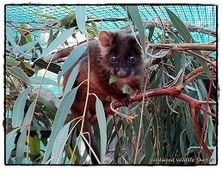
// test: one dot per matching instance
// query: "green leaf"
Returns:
(52, 36)
(29, 115)
(46, 81)
(11, 61)
(68, 19)
(100, 114)
(34, 147)
(136, 19)
(178, 61)
(9, 36)
(9, 146)
(59, 40)
(18, 108)
(71, 60)
(151, 31)
(45, 15)
(16, 49)
(28, 46)
(125, 89)
(81, 18)
(210, 131)
(59, 144)
(113, 79)
(20, 74)
(71, 79)
(61, 114)
(20, 147)
(28, 37)
(181, 28)
(182, 146)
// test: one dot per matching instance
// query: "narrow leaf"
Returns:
(81, 18)
(182, 146)
(20, 147)
(34, 147)
(46, 81)
(113, 79)
(28, 46)
(73, 57)
(61, 114)
(59, 144)
(28, 37)
(9, 146)
(59, 40)
(181, 28)
(100, 114)
(20, 74)
(71, 79)
(18, 108)
(151, 31)
(135, 16)
(29, 115)
(11, 61)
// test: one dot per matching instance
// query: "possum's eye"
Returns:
(113, 59)
(132, 59)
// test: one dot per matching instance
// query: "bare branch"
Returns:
(185, 46)
(167, 23)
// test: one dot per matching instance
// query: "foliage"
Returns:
(40, 130)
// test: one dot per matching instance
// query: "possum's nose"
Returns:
(122, 73)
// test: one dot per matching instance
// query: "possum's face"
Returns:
(121, 54)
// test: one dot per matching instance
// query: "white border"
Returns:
(2, 2)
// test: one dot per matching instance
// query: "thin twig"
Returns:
(167, 23)
(141, 122)
(202, 57)
(35, 102)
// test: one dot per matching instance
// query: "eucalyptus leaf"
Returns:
(73, 57)
(52, 36)
(28, 37)
(81, 18)
(20, 74)
(59, 143)
(18, 108)
(29, 115)
(61, 114)
(181, 28)
(182, 146)
(135, 16)
(150, 35)
(28, 46)
(210, 131)
(59, 40)
(44, 15)
(11, 61)
(9, 143)
(68, 19)
(20, 146)
(10, 38)
(71, 79)
(112, 79)
(100, 114)
(46, 81)
(34, 147)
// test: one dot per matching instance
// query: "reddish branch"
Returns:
(176, 91)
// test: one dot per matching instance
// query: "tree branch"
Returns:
(167, 23)
(184, 46)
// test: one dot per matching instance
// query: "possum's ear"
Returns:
(106, 38)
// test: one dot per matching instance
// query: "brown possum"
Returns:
(113, 54)
(116, 54)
